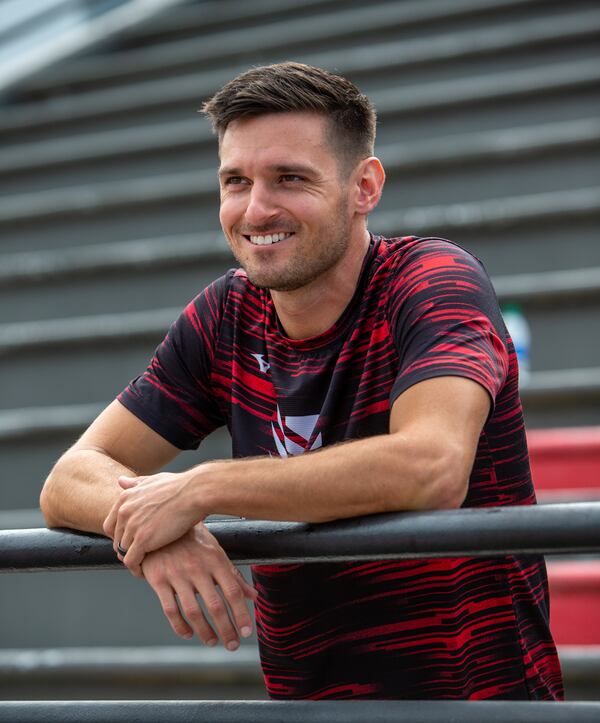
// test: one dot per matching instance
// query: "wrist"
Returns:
(204, 485)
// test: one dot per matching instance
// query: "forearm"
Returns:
(378, 474)
(81, 489)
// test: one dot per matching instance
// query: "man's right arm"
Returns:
(82, 486)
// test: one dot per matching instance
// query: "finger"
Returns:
(127, 482)
(217, 610)
(168, 602)
(134, 558)
(249, 591)
(124, 531)
(109, 523)
(192, 611)
(119, 538)
(231, 584)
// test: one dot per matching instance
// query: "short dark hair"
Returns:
(288, 87)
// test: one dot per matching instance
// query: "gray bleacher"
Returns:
(490, 134)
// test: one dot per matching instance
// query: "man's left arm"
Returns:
(423, 463)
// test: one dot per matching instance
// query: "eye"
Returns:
(234, 181)
(291, 178)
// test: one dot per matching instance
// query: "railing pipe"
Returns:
(546, 529)
(415, 711)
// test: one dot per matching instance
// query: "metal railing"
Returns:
(570, 528)
(383, 711)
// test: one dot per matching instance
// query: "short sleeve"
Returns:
(445, 318)
(173, 396)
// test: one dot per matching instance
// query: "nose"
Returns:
(261, 206)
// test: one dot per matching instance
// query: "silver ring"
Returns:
(121, 550)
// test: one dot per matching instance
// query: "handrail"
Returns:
(554, 528)
(294, 711)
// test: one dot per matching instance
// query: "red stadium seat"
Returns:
(566, 467)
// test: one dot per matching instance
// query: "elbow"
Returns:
(48, 502)
(447, 481)
(437, 477)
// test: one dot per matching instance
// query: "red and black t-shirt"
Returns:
(436, 628)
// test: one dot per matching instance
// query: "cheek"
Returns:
(229, 212)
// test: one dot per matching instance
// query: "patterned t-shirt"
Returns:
(433, 628)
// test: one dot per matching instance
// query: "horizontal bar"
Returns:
(415, 711)
(147, 663)
(544, 529)
(191, 666)
(123, 256)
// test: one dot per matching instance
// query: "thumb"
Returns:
(127, 482)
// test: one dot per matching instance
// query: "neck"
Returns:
(314, 308)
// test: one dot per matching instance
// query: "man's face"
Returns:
(284, 203)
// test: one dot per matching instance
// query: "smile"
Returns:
(268, 239)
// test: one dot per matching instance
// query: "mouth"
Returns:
(268, 239)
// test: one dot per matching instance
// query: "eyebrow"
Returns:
(278, 168)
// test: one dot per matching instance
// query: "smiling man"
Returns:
(356, 374)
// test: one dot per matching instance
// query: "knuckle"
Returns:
(170, 609)
(214, 605)
(193, 613)
(232, 591)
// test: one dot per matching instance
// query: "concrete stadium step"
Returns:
(190, 21)
(194, 19)
(340, 27)
(193, 670)
(154, 101)
(140, 274)
(169, 670)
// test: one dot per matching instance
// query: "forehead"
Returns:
(276, 137)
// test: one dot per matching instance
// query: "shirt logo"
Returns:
(302, 428)
(263, 366)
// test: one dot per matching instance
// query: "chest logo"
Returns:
(294, 436)
(263, 366)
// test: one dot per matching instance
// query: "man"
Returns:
(356, 375)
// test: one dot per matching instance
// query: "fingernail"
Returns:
(233, 645)
(188, 636)
(212, 642)
(246, 631)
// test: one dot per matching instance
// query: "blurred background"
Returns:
(490, 134)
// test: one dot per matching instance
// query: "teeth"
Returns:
(269, 239)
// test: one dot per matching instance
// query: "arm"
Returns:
(82, 486)
(423, 463)
(81, 490)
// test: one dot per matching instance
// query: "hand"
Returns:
(196, 564)
(150, 513)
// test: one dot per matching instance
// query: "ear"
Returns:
(370, 178)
